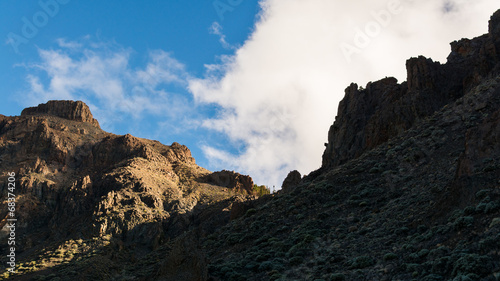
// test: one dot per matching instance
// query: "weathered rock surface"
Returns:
(71, 110)
(240, 207)
(231, 180)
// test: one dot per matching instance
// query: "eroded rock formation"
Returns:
(71, 110)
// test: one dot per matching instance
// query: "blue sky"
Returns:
(247, 85)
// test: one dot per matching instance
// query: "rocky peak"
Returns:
(292, 179)
(232, 180)
(369, 117)
(179, 153)
(422, 73)
(71, 110)
(494, 24)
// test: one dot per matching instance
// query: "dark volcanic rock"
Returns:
(240, 207)
(185, 262)
(494, 24)
(71, 110)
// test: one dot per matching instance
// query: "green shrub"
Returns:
(252, 266)
(278, 264)
(472, 263)
(482, 193)
(495, 222)
(438, 253)
(265, 266)
(296, 260)
(469, 210)
(225, 269)
(414, 257)
(297, 250)
(402, 230)
(250, 212)
(408, 247)
(423, 253)
(441, 265)
(491, 207)
(465, 278)
(308, 238)
(433, 277)
(427, 235)
(235, 276)
(355, 197)
(376, 170)
(412, 267)
(362, 262)
(233, 238)
(261, 190)
(441, 229)
(274, 275)
(337, 277)
(481, 207)
(324, 216)
(463, 222)
(490, 243)
(390, 256)
(421, 228)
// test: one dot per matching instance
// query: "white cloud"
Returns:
(68, 44)
(99, 74)
(281, 89)
(216, 29)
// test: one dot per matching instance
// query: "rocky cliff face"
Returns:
(384, 109)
